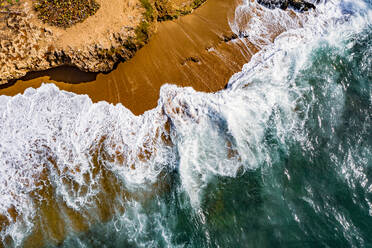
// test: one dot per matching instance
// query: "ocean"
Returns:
(282, 157)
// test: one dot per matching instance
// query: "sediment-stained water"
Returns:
(281, 157)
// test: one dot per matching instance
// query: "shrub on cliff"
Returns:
(5, 5)
(65, 13)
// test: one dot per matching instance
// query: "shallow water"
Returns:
(282, 157)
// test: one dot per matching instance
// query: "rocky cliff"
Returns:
(114, 33)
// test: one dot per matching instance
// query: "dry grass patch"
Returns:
(65, 13)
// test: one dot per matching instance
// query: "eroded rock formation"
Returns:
(114, 33)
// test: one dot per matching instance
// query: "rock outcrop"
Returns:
(298, 5)
(113, 34)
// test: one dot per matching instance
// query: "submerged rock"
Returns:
(298, 5)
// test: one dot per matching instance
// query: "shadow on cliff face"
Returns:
(66, 74)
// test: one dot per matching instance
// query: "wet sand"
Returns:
(197, 50)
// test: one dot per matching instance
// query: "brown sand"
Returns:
(195, 50)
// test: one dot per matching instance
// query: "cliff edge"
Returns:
(113, 33)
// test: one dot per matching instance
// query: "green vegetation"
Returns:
(160, 11)
(5, 5)
(143, 33)
(149, 14)
(197, 3)
(165, 12)
(65, 13)
(7, 2)
(143, 29)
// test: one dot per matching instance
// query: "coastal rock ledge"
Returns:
(114, 33)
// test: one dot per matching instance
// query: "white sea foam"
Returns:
(222, 133)
(49, 135)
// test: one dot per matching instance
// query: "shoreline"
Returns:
(201, 52)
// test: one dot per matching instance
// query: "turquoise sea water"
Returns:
(281, 158)
(312, 189)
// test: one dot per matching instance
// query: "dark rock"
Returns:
(298, 5)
